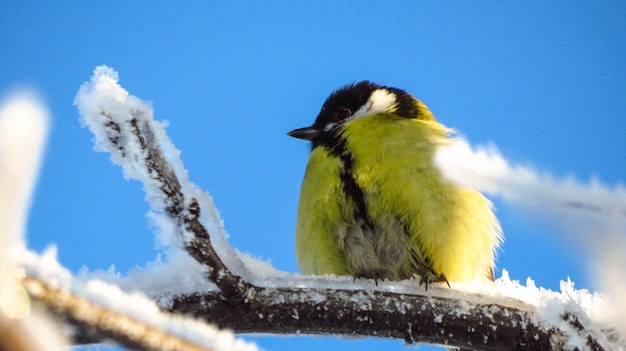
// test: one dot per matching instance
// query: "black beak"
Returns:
(306, 133)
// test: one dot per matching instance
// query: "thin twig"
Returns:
(94, 319)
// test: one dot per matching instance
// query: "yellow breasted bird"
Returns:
(374, 205)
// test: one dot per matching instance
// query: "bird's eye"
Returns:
(343, 113)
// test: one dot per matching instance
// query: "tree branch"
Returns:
(413, 318)
(182, 208)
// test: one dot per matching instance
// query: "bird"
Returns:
(373, 204)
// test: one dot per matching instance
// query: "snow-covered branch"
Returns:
(124, 126)
(99, 311)
(482, 318)
(458, 319)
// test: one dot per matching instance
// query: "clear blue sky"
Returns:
(545, 82)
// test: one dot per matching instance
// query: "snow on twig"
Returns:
(124, 126)
(103, 311)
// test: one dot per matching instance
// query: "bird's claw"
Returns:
(432, 277)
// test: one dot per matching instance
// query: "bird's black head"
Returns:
(357, 100)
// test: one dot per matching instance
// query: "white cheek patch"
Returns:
(380, 101)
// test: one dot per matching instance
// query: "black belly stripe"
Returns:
(353, 191)
(336, 145)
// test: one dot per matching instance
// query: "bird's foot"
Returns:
(376, 274)
(432, 277)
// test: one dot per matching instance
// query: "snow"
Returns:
(156, 277)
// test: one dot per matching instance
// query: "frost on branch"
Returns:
(101, 311)
(498, 316)
(123, 126)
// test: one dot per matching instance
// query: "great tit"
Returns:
(372, 203)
